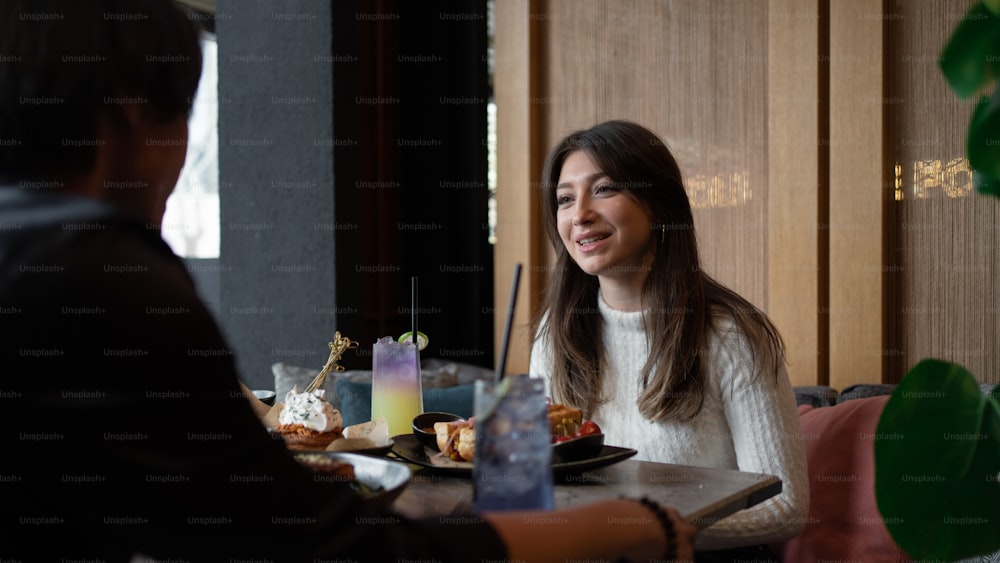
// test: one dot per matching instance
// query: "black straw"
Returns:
(505, 344)
(413, 310)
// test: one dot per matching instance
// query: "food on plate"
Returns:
(308, 421)
(568, 424)
(586, 428)
(564, 420)
(327, 466)
(300, 437)
(457, 440)
(362, 436)
(328, 469)
(351, 445)
(375, 430)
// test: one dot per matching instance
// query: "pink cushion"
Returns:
(844, 522)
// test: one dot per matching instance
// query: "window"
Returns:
(191, 220)
(491, 128)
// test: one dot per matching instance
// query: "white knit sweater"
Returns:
(751, 427)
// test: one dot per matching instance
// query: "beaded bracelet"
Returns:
(665, 522)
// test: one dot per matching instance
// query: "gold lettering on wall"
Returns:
(720, 190)
(898, 186)
(953, 178)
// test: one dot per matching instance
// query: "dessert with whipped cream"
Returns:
(308, 420)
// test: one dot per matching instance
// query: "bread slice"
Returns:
(466, 443)
(462, 438)
(443, 432)
(564, 420)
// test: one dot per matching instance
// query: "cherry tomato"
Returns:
(560, 439)
(587, 428)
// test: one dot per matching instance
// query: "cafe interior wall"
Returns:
(694, 72)
(821, 150)
(948, 255)
(352, 156)
(862, 283)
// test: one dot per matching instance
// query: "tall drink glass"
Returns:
(396, 389)
(513, 464)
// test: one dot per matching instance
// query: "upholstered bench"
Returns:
(844, 523)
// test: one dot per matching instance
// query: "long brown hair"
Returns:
(680, 301)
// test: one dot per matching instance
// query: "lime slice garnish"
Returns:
(408, 337)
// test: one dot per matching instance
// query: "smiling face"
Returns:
(604, 229)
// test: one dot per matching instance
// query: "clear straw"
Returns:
(505, 344)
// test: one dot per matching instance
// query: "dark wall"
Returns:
(277, 283)
(376, 174)
(417, 92)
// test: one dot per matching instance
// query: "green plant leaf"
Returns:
(969, 59)
(983, 140)
(993, 6)
(986, 185)
(937, 457)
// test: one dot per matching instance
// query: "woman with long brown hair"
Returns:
(662, 356)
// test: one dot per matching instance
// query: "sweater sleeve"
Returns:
(767, 437)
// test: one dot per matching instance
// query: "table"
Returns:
(703, 496)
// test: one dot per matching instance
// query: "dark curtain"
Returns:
(410, 169)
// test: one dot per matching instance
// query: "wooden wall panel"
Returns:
(949, 254)
(797, 251)
(693, 72)
(723, 84)
(519, 232)
(788, 118)
(860, 194)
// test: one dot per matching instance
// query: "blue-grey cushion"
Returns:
(356, 400)
(287, 376)
(815, 395)
(865, 390)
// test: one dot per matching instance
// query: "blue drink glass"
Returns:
(513, 463)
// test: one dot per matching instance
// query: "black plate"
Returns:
(377, 451)
(576, 449)
(408, 448)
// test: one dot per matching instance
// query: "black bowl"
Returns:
(265, 395)
(584, 447)
(423, 426)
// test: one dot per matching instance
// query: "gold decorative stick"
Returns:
(339, 345)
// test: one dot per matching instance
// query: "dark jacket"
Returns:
(123, 426)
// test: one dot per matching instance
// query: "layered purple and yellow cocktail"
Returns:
(396, 389)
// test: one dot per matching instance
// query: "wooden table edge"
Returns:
(719, 510)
